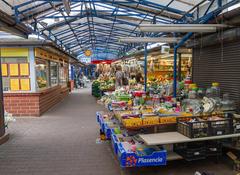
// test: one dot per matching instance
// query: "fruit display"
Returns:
(41, 82)
(101, 85)
(95, 89)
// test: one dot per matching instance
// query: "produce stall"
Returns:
(148, 130)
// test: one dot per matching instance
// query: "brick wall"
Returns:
(22, 104)
(51, 97)
(33, 104)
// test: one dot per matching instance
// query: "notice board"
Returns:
(14, 84)
(25, 84)
(14, 69)
(24, 69)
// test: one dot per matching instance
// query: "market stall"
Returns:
(34, 79)
(147, 130)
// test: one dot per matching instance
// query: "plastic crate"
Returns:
(191, 151)
(114, 142)
(98, 116)
(108, 129)
(221, 127)
(236, 122)
(236, 127)
(116, 139)
(131, 159)
(192, 129)
(99, 119)
(213, 148)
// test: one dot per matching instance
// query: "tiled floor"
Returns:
(63, 142)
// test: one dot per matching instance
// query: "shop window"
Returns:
(63, 74)
(54, 73)
(42, 72)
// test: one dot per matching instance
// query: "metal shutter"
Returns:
(210, 66)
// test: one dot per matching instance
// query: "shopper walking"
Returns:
(139, 77)
(119, 77)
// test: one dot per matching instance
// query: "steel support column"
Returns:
(175, 73)
(179, 67)
(145, 67)
(2, 123)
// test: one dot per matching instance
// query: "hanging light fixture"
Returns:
(148, 40)
(200, 28)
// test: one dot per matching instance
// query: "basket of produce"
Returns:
(150, 119)
(137, 155)
(123, 98)
(192, 127)
(218, 125)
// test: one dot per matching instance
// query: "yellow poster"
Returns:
(14, 84)
(4, 70)
(14, 70)
(25, 84)
(24, 69)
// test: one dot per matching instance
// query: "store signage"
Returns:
(133, 160)
(156, 160)
(101, 62)
(165, 49)
(86, 60)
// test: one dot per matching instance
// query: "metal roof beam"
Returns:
(144, 3)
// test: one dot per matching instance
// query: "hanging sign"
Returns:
(88, 53)
(165, 49)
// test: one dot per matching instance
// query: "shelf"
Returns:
(173, 156)
(175, 137)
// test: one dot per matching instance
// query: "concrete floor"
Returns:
(63, 142)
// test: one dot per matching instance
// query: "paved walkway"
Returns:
(63, 142)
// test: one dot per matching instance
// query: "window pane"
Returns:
(54, 73)
(5, 81)
(42, 73)
(63, 74)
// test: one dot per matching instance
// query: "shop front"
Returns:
(34, 79)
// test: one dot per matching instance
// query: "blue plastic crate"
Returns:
(131, 159)
(98, 115)
(107, 131)
(114, 142)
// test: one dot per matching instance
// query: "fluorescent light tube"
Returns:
(200, 28)
(148, 40)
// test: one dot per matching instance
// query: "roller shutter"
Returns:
(219, 64)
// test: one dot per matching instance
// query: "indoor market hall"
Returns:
(119, 87)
